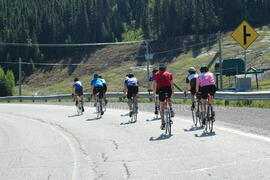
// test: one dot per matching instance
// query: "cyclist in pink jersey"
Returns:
(207, 82)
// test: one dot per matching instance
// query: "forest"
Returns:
(86, 21)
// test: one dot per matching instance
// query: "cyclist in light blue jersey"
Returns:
(97, 87)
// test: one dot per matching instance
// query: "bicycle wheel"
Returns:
(168, 121)
(194, 117)
(199, 115)
(211, 120)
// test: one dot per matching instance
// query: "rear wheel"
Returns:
(168, 122)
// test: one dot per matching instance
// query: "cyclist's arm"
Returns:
(73, 90)
(197, 84)
(125, 89)
(172, 86)
(187, 87)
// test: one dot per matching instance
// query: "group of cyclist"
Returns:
(202, 85)
(98, 86)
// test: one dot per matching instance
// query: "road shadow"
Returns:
(93, 119)
(161, 137)
(124, 114)
(154, 119)
(206, 134)
(74, 115)
(193, 129)
(127, 123)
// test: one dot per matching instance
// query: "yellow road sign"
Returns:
(245, 35)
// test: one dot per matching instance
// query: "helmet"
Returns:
(76, 79)
(162, 66)
(130, 75)
(100, 77)
(204, 68)
(95, 75)
(191, 70)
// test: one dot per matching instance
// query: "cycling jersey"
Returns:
(77, 85)
(206, 79)
(103, 81)
(163, 79)
(191, 79)
(131, 82)
(96, 82)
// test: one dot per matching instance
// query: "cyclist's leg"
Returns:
(94, 92)
(204, 101)
(129, 94)
(161, 97)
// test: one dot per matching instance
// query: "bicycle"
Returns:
(134, 110)
(167, 115)
(78, 104)
(98, 106)
(210, 118)
(197, 111)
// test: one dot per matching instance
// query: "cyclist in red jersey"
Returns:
(163, 83)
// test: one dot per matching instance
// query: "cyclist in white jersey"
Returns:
(131, 89)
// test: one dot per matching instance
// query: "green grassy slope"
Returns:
(113, 62)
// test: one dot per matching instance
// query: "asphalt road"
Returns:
(52, 142)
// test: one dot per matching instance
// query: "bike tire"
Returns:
(194, 117)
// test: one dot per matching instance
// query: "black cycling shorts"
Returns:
(98, 90)
(206, 90)
(79, 92)
(104, 88)
(162, 91)
(132, 91)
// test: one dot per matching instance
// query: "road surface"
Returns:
(48, 142)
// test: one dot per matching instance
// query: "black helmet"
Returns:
(191, 70)
(95, 75)
(76, 79)
(204, 68)
(130, 75)
(162, 67)
(100, 77)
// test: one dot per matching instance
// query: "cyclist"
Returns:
(163, 82)
(151, 79)
(77, 91)
(191, 84)
(97, 87)
(104, 88)
(207, 83)
(131, 89)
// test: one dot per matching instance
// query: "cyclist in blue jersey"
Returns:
(131, 89)
(77, 91)
(97, 87)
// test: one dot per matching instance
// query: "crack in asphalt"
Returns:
(104, 157)
(115, 144)
(127, 171)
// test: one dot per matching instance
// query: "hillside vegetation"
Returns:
(113, 62)
(86, 21)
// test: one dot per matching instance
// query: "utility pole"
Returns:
(147, 57)
(20, 77)
(220, 61)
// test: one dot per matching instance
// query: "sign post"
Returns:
(245, 35)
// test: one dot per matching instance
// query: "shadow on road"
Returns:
(154, 119)
(161, 137)
(193, 129)
(205, 134)
(124, 114)
(93, 119)
(127, 123)
(74, 115)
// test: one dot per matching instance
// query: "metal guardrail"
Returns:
(232, 96)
